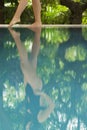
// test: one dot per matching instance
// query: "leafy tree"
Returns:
(77, 8)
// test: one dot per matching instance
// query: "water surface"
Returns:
(43, 78)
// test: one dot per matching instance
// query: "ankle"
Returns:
(38, 22)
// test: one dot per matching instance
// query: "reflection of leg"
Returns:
(46, 102)
(36, 46)
(44, 98)
(15, 35)
(37, 13)
(21, 48)
(20, 9)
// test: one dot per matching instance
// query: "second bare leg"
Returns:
(37, 13)
(16, 18)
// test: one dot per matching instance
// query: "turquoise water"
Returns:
(43, 78)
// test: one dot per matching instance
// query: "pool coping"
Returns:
(45, 25)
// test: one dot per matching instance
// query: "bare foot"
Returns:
(35, 25)
(14, 33)
(35, 29)
(14, 21)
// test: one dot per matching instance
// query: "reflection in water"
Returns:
(37, 111)
(28, 66)
(55, 70)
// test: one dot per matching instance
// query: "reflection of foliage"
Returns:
(69, 104)
(84, 32)
(11, 96)
(55, 35)
(75, 53)
(55, 94)
(52, 38)
(61, 64)
(84, 97)
(64, 81)
(48, 54)
(84, 87)
(81, 106)
(70, 74)
(65, 93)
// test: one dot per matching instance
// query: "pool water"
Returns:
(43, 78)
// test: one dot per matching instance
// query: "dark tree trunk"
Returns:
(1, 11)
(76, 9)
(76, 14)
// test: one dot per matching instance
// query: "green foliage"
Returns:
(84, 18)
(56, 14)
(52, 12)
(11, 1)
(9, 11)
(27, 15)
(81, 1)
(76, 0)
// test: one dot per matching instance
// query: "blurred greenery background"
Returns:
(53, 12)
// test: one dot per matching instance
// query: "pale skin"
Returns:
(21, 7)
(28, 67)
(43, 114)
(30, 76)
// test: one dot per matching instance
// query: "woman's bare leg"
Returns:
(22, 5)
(16, 18)
(37, 13)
